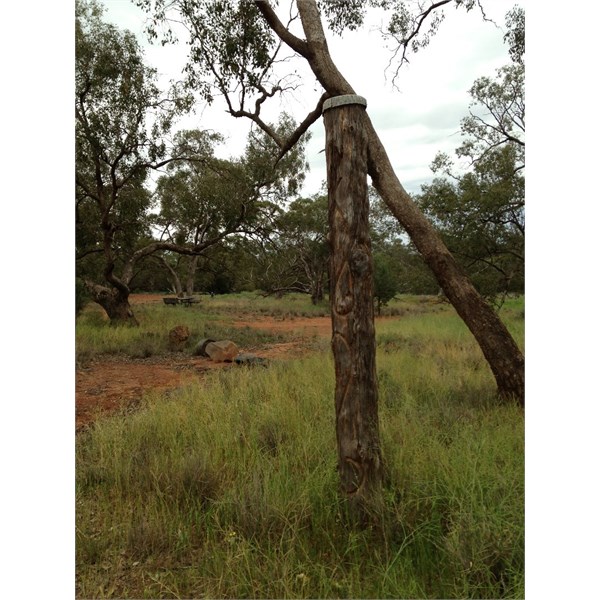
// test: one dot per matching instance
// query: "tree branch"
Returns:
(87, 252)
(295, 43)
(302, 128)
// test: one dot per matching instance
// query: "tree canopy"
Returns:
(123, 125)
(481, 212)
(481, 217)
(296, 255)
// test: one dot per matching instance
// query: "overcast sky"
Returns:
(415, 120)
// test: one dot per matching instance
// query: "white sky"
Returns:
(415, 121)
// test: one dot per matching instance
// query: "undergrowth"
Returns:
(228, 487)
(95, 335)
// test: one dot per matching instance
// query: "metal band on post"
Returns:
(344, 100)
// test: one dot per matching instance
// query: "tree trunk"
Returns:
(173, 277)
(314, 297)
(114, 302)
(191, 275)
(351, 289)
(496, 343)
(500, 350)
(316, 288)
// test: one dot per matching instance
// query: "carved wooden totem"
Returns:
(351, 294)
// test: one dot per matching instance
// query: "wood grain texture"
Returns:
(352, 305)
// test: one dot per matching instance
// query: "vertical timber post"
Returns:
(352, 309)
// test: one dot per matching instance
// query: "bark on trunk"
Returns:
(115, 303)
(173, 277)
(500, 350)
(316, 294)
(176, 284)
(351, 289)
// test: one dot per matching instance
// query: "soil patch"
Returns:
(114, 383)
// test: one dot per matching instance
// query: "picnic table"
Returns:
(185, 301)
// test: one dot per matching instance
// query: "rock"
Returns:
(223, 351)
(246, 358)
(178, 336)
(200, 349)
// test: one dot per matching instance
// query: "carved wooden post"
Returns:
(351, 295)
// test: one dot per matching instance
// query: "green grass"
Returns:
(95, 336)
(255, 303)
(228, 487)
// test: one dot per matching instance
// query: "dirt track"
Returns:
(116, 383)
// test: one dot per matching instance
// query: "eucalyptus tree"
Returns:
(123, 125)
(199, 202)
(481, 213)
(385, 279)
(199, 205)
(236, 49)
(481, 217)
(496, 120)
(398, 267)
(295, 257)
(121, 120)
(202, 202)
(496, 116)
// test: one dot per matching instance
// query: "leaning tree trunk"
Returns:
(173, 276)
(351, 289)
(114, 302)
(500, 350)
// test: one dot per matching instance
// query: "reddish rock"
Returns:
(222, 351)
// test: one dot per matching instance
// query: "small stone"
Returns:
(245, 358)
(222, 351)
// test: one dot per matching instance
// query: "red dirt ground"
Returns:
(115, 384)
